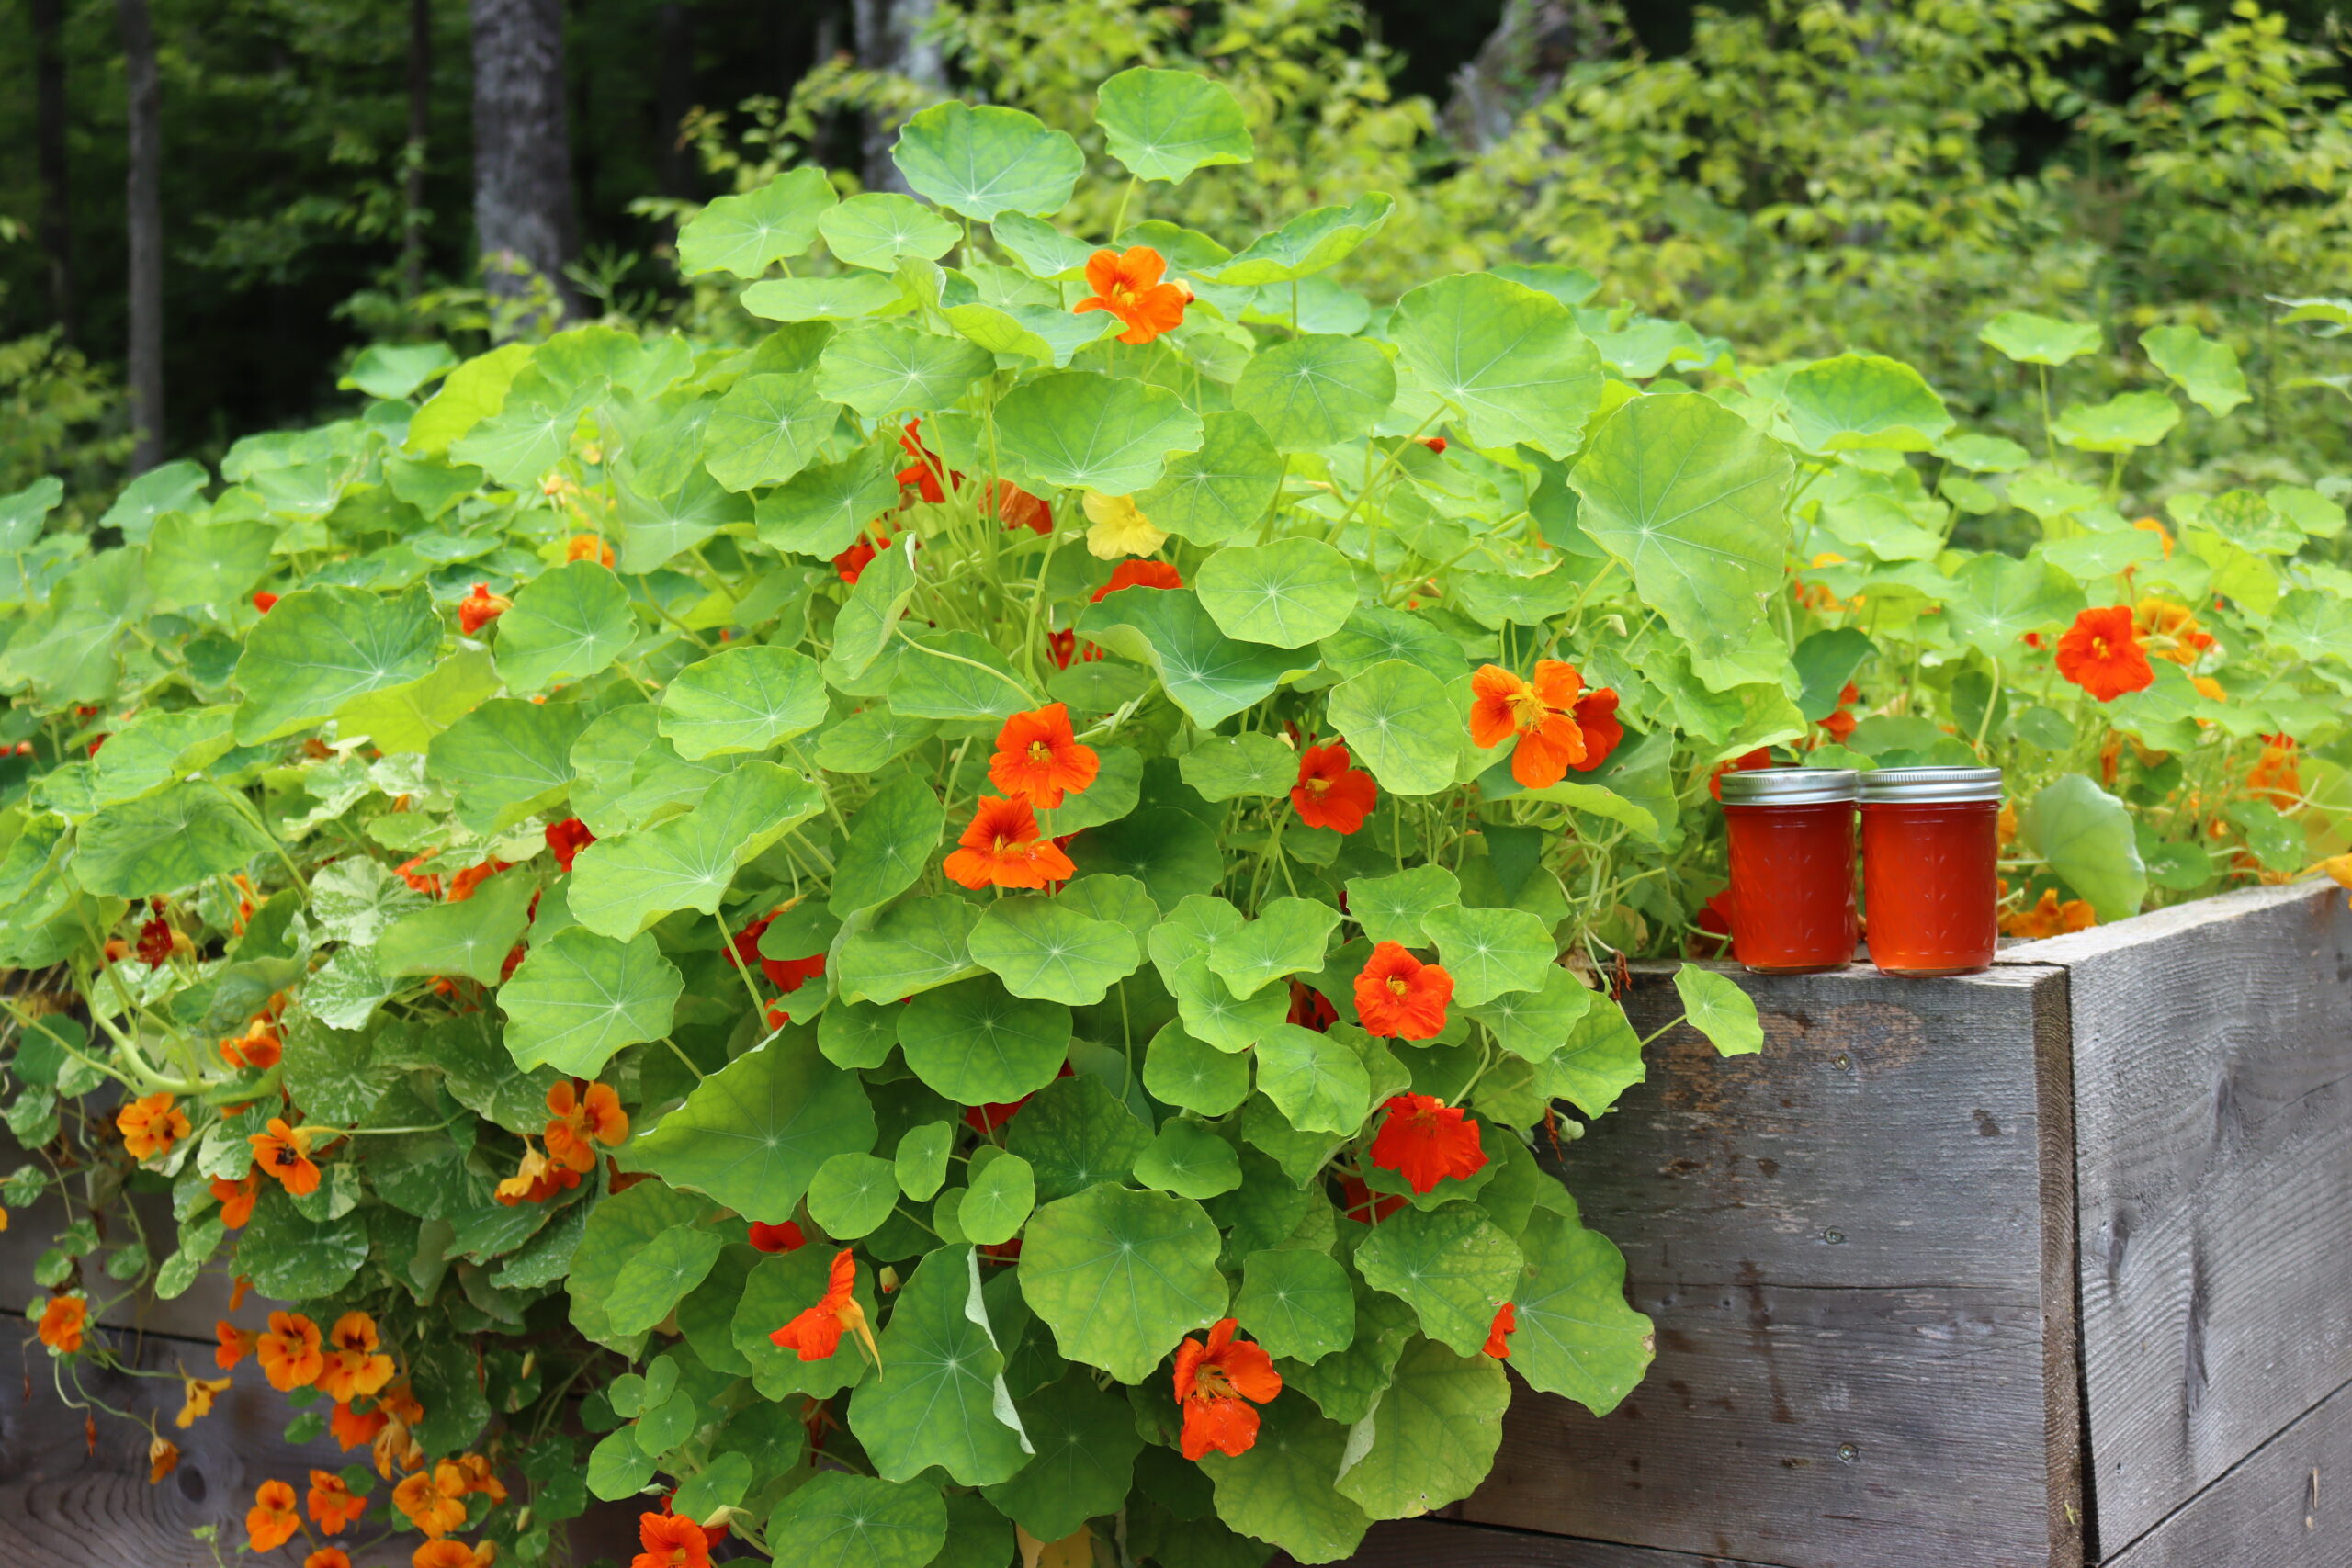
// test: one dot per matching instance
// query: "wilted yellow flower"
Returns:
(1119, 527)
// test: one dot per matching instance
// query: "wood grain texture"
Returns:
(1441, 1543)
(2287, 1504)
(2213, 1083)
(1856, 1247)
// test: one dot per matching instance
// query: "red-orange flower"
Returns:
(433, 1501)
(1001, 849)
(1019, 508)
(817, 1332)
(535, 1180)
(671, 1541)
(1361, 1204)
(2174, 628)
(1128, 285)
(64, 1321)
(264, 601)
(588, 546)
(785, 1237)
(354, 1429)
(481, 1478)
(2274, 776)
(1039, 759)
(333, 1505)
(1424, 1140)
(923, 475)
(2049, 918)
(1399, 996)
(355, 1367)
(285, 1153)
(235, 1344)
(1330, 793)
(1498, 1343)
(1596, 716)
(1760, 758)
(1215, 1384)
(258, 1047)
(462, 885)
(328, 1557)
(581, 1120)
(2101, 653)
(149, 1126)
(481, 607)
(163, 1457)
(289, 1352)
(1542, 713)
(272, 1521)
(852, 562)
(789, 975)
(237, 1199)
(1138, 574)
(419, 881)
(454, 1554)
(567, 839)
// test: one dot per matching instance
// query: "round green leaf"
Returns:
(1075, 1135)
(1285, 594)
(2084, 834)
(1188, 1159)
(1181, 947)
(1864, 402)
(754, 1134)
(844, 297)
(616, 1228)
(1288, 937)
(672, 518)
(565, 625)
(1433, 1435)
(472, 937)
(319, 647)
(1164, 124)
(658, 1276)
(857, 1034)
(1045, 334)
(177, 838)
(1513, 360)
(1120, 1276)
(1998, 599)
(1179, 1070)
(1209, 675)
(1314, 391)
(1489, 952)
(744, 234)
(1317, 1082)
(977, 1045)
(1307, 243)
(940, 1399)
(890, 842)
(291, 1258)
(1716, 1006)
(1397, 908)
(981, 161)
(1297, 1303)
(1280, 1489)
(915, 945)
(621, 886)
(1229, 485)
(1040, 949)
(921, 1160)
(2039, 340)
(505, 760)
(578, 998)
(1402, 725)
(998, 1201)
(2125, 422)
(821, 510)
(741, 699)
(1086, 1442)
(1173, 853)
(765, 430)
(877, 228)
(1079, 429)
(852, 1194)
(1533, 1023)
(1575, 1336)
(864, 742)
(1451, 1265)
(885, 368)
(838, 1520)
(1690, 497)
(1254, 763)
(2205, 368)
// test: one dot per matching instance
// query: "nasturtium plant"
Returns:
(967, 925)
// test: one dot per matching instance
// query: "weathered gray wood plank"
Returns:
(1436, 1543)
(2288, 1505)
(1858, 1250)
(2213, 1085)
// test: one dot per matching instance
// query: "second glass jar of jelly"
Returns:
(1931, 868)
(1792, 834)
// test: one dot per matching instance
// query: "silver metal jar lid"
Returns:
(1912, 786)
(1789, 786)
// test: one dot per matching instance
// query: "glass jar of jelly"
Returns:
(1931, 868)
(1792, 834)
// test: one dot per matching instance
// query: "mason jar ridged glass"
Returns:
(1791, 833)
(1931, 855)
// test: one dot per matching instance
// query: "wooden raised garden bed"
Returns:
(2045, 1267)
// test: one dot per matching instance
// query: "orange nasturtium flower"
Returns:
(285, 1153)
(1215, 1384)
(2049, 918)
(535, 1180)
(1128, 285)
(64, 1321)
(151, 1126)
(567, 839)
(1596, 716)
(333, 1503)
(272, 1521)
(1039, 759)
(588, 546)
(235, 1344)
(1541, 712)
(197, 1394)
(237, 1199)
(2274, 776)
(1330, 793)
(163, 1457)
(354, 1429)
(462, 885)
(481, 607)
(2101, 653)
(434, 1500)
(1498, 1343)
(481, 1478)
(1425, 1140)
(2175, 626)
(258, 1046)
(671, 1541)
(817, 1332)
(328, 1557)
(1398, 997)
(355, 1367)
(1139, 574)
(454, 1554)
(1001, 849)
(581, 1120)
(289, 1352)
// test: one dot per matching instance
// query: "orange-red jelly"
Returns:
(1930, 868)
(1791, 833)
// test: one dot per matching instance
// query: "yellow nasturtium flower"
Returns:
(1119, 527)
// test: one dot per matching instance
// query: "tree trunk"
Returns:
(49, 141)
(1522, 62)
(146, 202)
(523, 203)
(889, 38)
(420, 112)
(673, 95)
